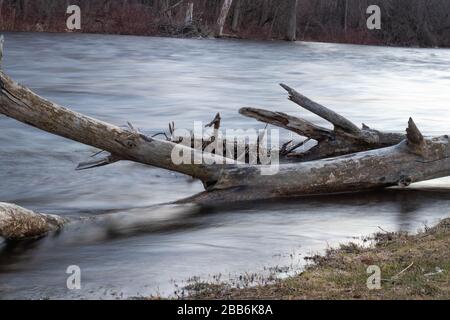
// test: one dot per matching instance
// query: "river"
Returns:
(149, 248)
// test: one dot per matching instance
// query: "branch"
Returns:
(297, 125)
(336, 119)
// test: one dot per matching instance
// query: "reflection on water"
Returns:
(136, 246)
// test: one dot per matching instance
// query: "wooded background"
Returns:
(408, 23)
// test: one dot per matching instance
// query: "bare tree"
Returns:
(226, 5)
(236, 16)
(291, 22)
(189, 14)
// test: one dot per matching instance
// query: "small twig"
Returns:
(131, 127)
(382, 229)
(284, 150)
(298, 145)
(438, 271)
(97, 153)
(174, 6)
(401, 272)
(161, 133)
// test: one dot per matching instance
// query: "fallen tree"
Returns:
(345, 158)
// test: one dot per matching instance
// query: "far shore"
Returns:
(199, 35)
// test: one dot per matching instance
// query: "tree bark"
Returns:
(410, 161)
(236, 16)
(291, 22)
(189, 14)
(17, 223)
(226, 5)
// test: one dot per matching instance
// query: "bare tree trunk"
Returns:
(291, 23)
(226, 5)
(265, 11)
(345, 17)
(189, 14)
(236, 16)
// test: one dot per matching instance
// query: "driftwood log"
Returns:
(18, 223)
(345, 159)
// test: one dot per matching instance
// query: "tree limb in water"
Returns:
(17, 223)
(414, 159)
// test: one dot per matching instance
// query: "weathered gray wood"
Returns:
(331, 143)
(17, 223)
(397, 165)
(336, 119)
(23, 105)
(297, 125)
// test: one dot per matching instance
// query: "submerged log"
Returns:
(17, 223)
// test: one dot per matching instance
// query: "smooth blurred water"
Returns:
(145, 247)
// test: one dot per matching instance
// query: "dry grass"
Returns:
(412, 267)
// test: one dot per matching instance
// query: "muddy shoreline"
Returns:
(411, 267)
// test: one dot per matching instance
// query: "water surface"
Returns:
(146, 247)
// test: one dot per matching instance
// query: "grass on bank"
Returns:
(412, 267)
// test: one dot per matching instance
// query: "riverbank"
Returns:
(411, 24)
(412, 267)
